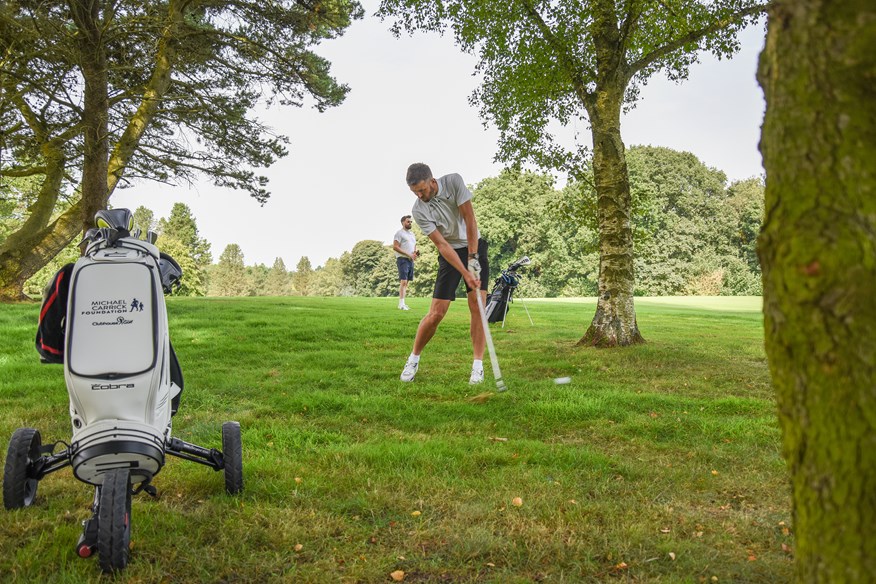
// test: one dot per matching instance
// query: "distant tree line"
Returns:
(693, 235)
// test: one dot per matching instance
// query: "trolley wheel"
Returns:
(84, 550)
(114, 520)
(24, 450)
(232, 453)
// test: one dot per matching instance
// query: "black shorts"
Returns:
(448, 276)
(405, 268)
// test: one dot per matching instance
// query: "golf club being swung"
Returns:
(500, 385)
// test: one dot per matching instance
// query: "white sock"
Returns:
(477, 364)
(414, 358)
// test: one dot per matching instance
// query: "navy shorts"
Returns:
(405, 268)
(448, 276)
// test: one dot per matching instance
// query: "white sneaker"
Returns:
(477, 376)
(409, 371)
(404, 307)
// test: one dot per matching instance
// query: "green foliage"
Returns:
(371, 269)
(209, 63)
(194, 280)
(180, 239)
(229, 277)
(98, 94)
(36, 284)
(328, 280)
(614, 467)
(692, 234)
(545, 64)
(144, 220)
(302, 276)
(278, 281)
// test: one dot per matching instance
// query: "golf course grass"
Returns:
(656, 463)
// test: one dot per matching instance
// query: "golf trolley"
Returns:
(123, 381)
(501, 297)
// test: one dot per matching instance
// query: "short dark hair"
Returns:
(418, 172)
(405, 217)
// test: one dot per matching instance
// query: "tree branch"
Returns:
(566, 60)
(690, 37)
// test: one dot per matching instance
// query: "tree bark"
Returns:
(614, 323)
(95, 111)
(818, 254)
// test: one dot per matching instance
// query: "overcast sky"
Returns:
(343, 180)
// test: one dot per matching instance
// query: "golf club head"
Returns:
(524, 261)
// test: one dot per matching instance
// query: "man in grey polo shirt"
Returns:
(444, 212)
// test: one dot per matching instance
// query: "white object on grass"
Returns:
(562, 380)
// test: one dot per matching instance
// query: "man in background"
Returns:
(405, 245)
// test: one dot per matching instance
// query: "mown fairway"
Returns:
(658, 463)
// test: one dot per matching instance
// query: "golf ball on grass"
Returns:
(562, 380)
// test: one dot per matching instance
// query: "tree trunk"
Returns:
(95, 111)
(614, 323)
(23, 253)
(818, 254)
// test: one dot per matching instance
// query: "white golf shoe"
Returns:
(409, 371)
(404, 307)
(477, 376)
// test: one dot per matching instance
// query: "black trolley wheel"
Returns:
(114, 520)
(232, 453)
(24, 449)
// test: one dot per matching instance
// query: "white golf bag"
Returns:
(117, 364)
(105, 319)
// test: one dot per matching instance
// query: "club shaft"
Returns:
(497, 373)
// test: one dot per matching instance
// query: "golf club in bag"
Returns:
(501, 297)
(105, 319)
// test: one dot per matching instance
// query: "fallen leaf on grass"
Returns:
(298, 479)
(298, 547)
(415, 513)
(786, 548)
(752, 558)
(398, 575)
(621, 566)
(654, 415)
(672, 556)
(714, 473)
(491, 565)
(497, 439)
(664, 530)
(517, 502)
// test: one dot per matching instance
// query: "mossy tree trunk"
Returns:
(818, 254)
(614, 323)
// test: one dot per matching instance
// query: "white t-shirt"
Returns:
(442, 212)
(406, 241)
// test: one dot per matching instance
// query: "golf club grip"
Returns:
(489, 338)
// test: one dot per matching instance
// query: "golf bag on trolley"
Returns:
(123, 382)
(500, 298)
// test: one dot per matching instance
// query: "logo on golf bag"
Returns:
(99, 307)
(105, 386)
(116, 322)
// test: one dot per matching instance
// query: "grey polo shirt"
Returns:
(442, 212)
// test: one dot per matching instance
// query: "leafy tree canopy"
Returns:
(100, 94)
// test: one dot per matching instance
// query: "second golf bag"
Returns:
(501, 296)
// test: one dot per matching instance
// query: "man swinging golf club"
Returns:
(444, 212)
